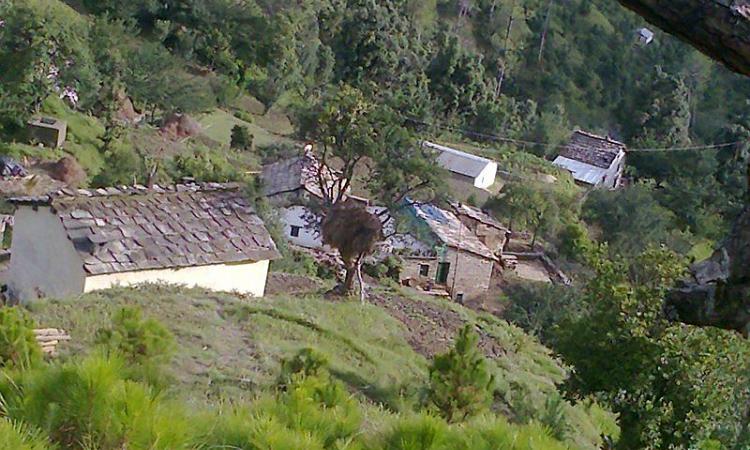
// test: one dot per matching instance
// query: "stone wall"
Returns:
(471, 279)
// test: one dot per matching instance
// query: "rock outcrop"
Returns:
(718, 291)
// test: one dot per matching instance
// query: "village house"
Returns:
(48, 131)
(293, 186)
(451, 257)
(75, 241)
(470, 169)
(593, 161)
(489, 231)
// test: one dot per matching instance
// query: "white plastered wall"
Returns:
(43, 260)
(247, 278)
(487, 177)
(300, 216)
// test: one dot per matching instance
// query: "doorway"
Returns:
(442, 272)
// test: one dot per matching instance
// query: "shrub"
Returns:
(244, 116)
(461, 384)
(89, 404)
(306, 363)
(575, 243)
(18, 346)
(135, 338)
(17, 436)
(204, 165)
(241, 138)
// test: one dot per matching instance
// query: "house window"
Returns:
(294, 232)
(460, 297)
(424, 270)
(442, 272)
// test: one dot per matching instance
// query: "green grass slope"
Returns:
(231, 347)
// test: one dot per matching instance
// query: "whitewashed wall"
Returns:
(247, 278)
(309, 234)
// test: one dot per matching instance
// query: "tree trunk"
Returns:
(361, 281)
(544, 30)
(351, 272)
(718, 28)
(503, 67)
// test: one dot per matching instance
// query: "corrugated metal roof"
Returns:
(451, 231)
(459, 162)
(585, 173)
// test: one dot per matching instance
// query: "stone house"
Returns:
(450, 257)
(593, 161)
(75, 241)
(292, 185)
(489, 231)
(48, 131)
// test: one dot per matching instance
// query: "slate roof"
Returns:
(459, 162)
(597, 151)
(478, 215)
(451, 231)
(291, 174)
(135, 228)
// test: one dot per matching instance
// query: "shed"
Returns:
(593, 160)
(74, 241)
(478, 171)
(48, 131)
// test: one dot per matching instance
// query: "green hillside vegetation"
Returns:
(232, 349)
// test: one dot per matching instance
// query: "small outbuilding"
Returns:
(75, 241)
(592, 160)
(48, 131)
(456, 260)
(472, 169)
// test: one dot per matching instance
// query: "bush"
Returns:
(574, 242)
(241, 138)
(306, 363)
(17, 436)
(204, 165)
(89, 404)
(244, 116)
(18, 346)
(137, 339)
(390, 268)
(461, 384)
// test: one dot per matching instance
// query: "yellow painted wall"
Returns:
(247, 278)
(43, 261)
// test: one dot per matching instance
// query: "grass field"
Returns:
(218, 124)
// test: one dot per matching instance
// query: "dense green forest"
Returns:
(510, 79)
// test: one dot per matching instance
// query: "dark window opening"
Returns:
(294, 232)
(442, 272)
(460, 297)
(424, 270)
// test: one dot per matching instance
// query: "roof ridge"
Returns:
(123, 190)
(599, 137)
(457, 152)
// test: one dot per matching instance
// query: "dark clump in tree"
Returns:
(354, 232)
(461, 383)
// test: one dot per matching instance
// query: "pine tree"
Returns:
(461, 384)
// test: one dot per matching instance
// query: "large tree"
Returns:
(363, 145)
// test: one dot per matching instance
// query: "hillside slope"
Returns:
(229, 347)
